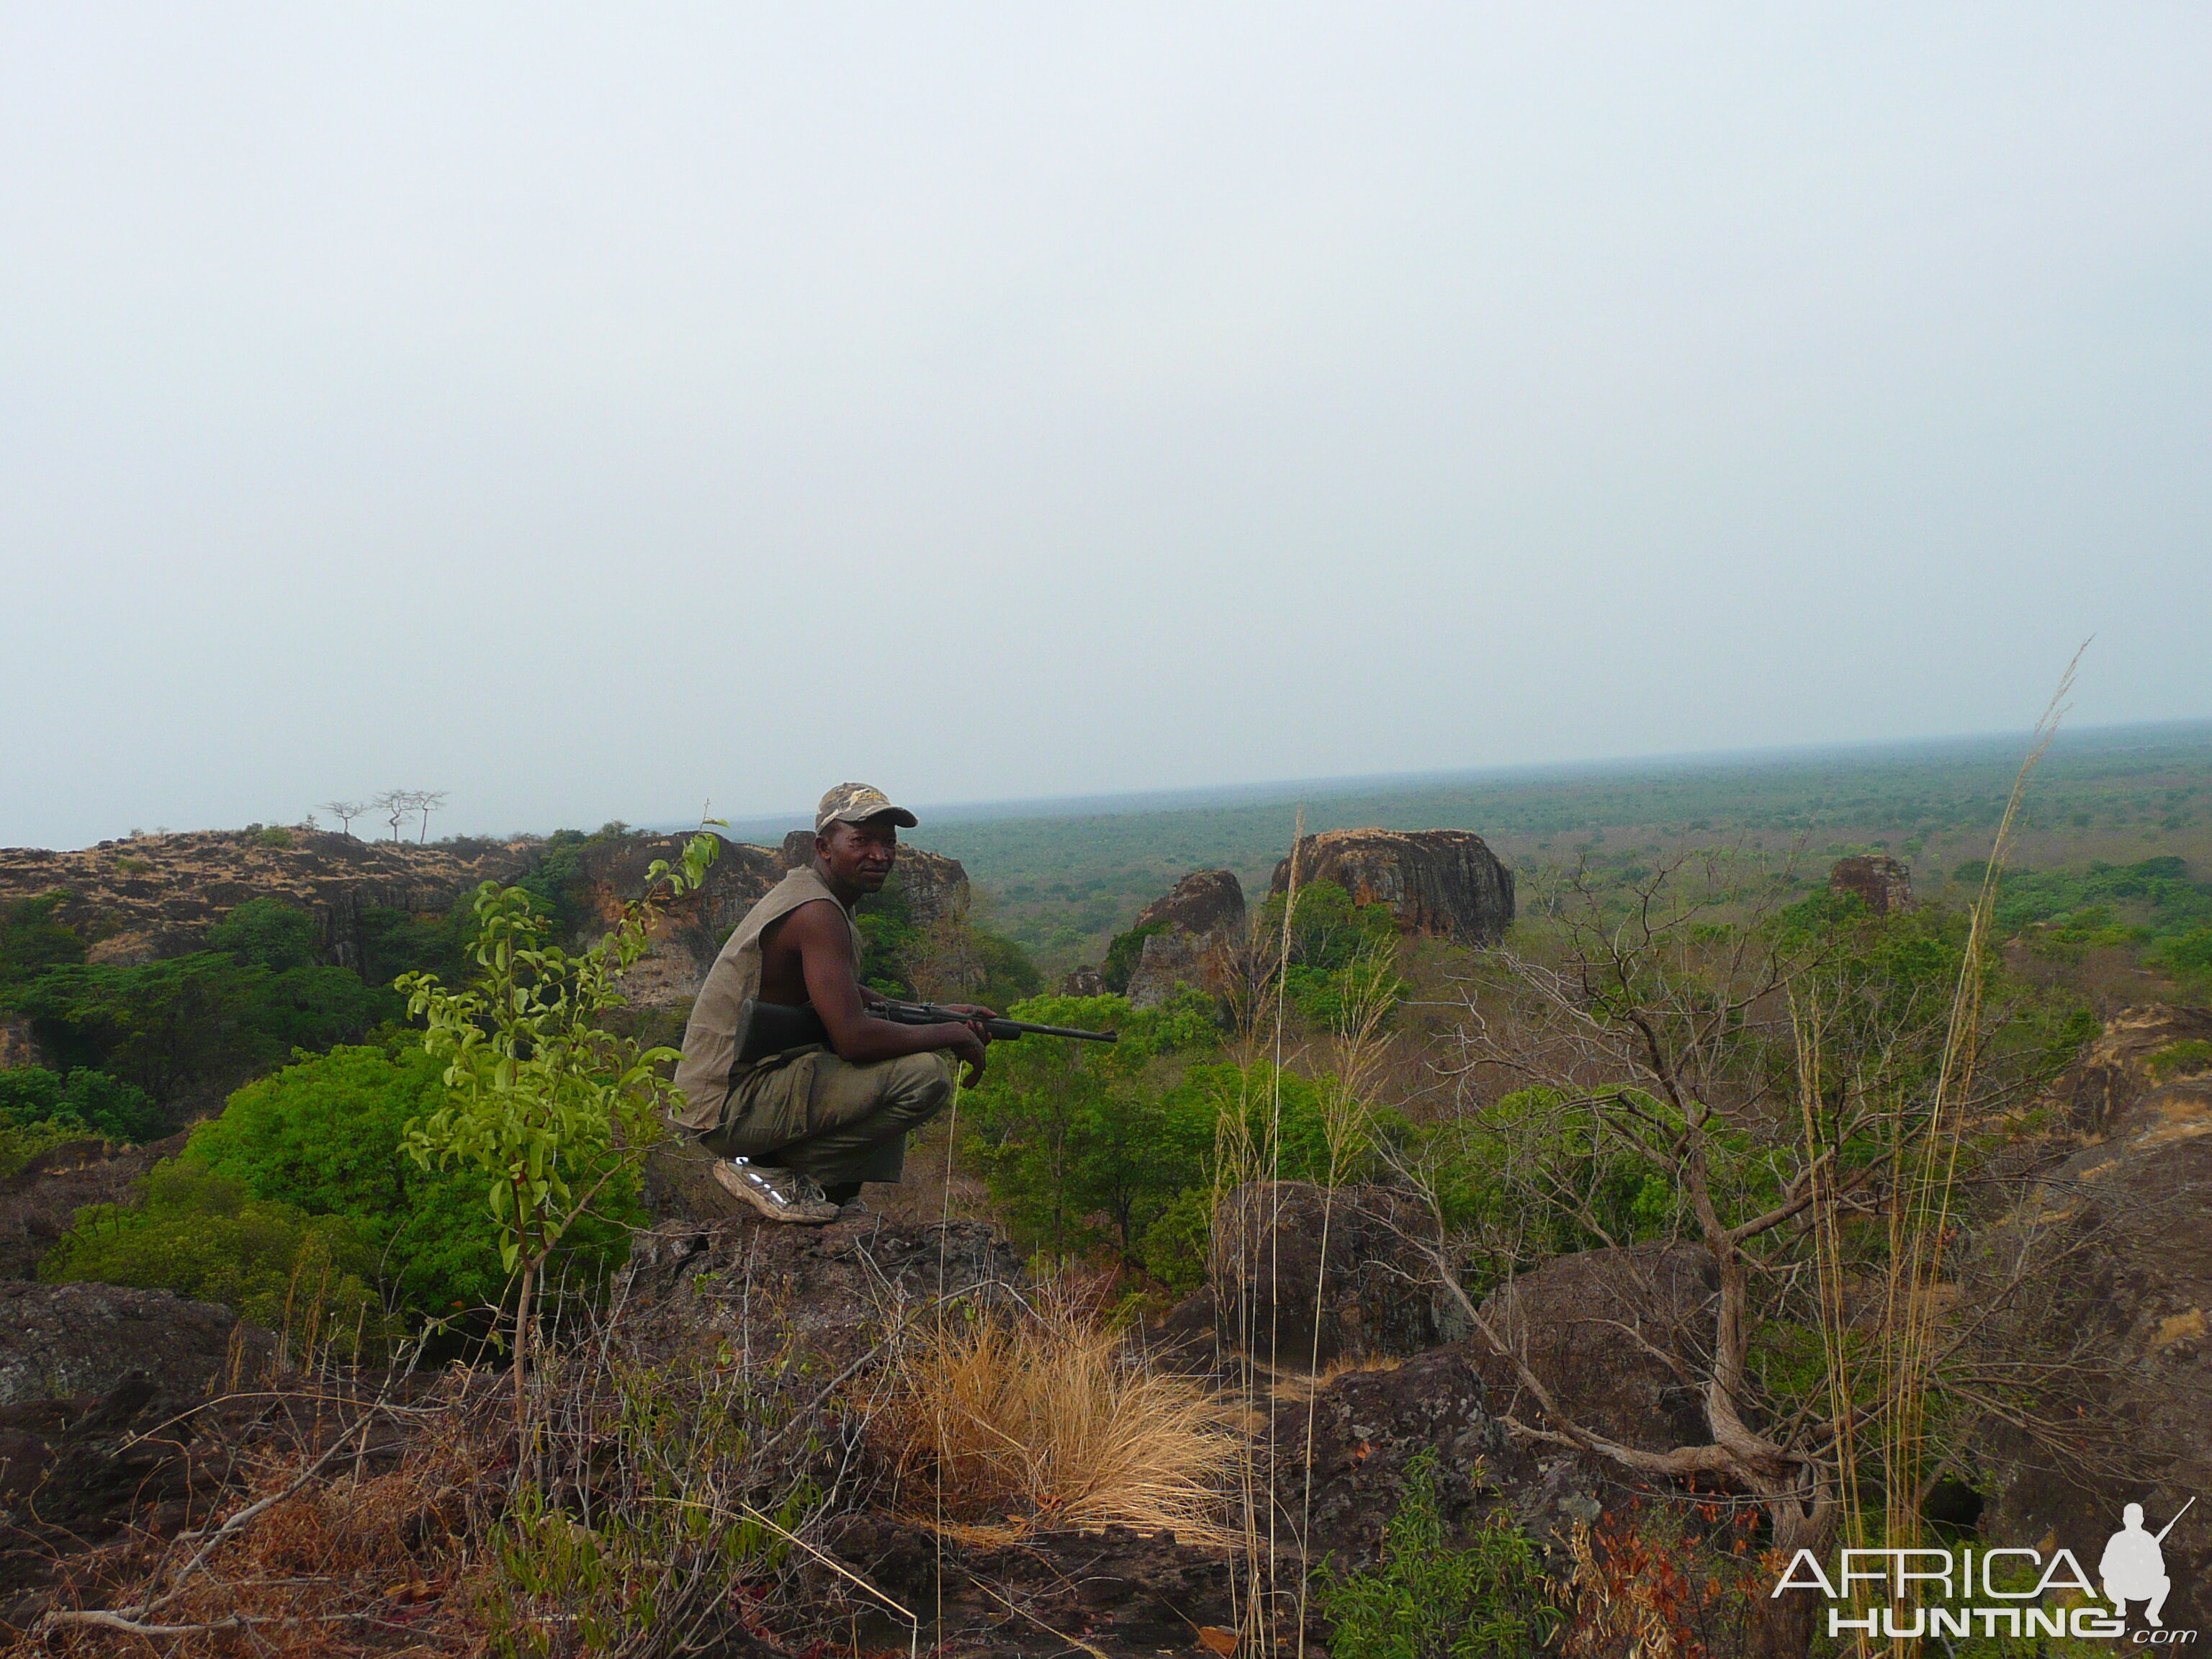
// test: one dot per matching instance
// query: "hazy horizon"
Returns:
(595, 413)
(769, 826)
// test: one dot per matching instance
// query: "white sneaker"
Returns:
(778, 1195)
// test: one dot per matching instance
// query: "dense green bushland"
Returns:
(203, 1234)
(1069, 882)
(82, 1101)
(172, 1028)
(2152, 906)
(321, 1140)
(1088, 1148)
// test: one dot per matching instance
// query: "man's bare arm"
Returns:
(818, 933)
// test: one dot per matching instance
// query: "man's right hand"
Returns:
(969, 1051)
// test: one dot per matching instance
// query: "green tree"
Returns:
(1071, 1134)
(90, 1102)
(31, 940)
(267, 932)
(540, 1093)
(170, 1026)
(327, 1133)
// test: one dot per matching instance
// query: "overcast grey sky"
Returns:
(593, 411)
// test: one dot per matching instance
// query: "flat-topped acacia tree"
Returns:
(538, 1092)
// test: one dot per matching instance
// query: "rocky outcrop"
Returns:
(58, 1341)
(2109, 1262)
(689, 932)
(1339, 1458)
(1168, 962)
(1189, 931)
(1580, 1324)
(154, 896)
(18, 1045)
(1207, 903)
(1082, 983)
(1298, 1275)
(1446, 883)
(1883, 884)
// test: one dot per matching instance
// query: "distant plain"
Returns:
(1063, 877)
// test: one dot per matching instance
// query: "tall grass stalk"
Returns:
(1925, 1158)
(1369, 984)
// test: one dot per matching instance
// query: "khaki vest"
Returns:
(709, 1069)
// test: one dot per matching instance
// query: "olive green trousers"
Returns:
(829, 1119)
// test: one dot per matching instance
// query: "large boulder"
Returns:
(1443, 883)
(1880, 883)
(1591, 1326)
(2106, 1264)
(689, 933)
(1206, 902)
(60, 1341)
(1186, 934)
(1300, 1275)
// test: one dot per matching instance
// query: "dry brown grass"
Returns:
(995, 1428)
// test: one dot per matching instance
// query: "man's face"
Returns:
(859, 854)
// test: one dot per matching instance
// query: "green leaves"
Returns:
(542, 1101)
(1427, 1599)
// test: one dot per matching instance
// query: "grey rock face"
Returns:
(1298, 1276)
(57, 1341)
(2121, 1217)
(1207, 903)
(1204, 913)
(1571, 1321)
(1446, 883)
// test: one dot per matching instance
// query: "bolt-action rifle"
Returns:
(770, 1028)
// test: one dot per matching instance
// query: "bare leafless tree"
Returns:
(397, 805)
(345, 811)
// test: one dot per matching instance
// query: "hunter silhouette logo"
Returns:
(2006, 1591)
(2133, 1566)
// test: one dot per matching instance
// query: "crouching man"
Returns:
(795, 1133)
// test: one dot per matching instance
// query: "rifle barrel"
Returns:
(1023, 1027)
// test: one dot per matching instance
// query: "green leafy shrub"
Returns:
(84, 1102)
(544, 1103)
(2187, 956)
(2180, 1059)
(1083, 1147)
(31, 940)
(1329, 930)
(202, 1235)
(267, 932)
(1428, 1599)
(325, 1133)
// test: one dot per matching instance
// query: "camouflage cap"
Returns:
(856, 803)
